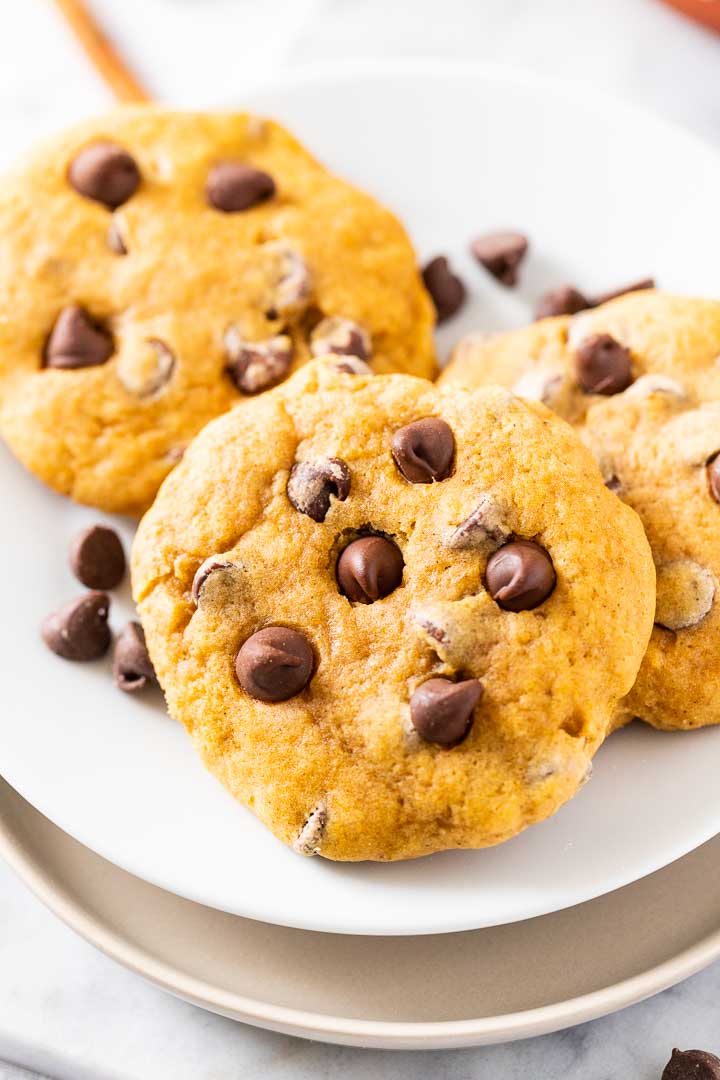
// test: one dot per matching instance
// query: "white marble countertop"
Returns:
(65, 1010)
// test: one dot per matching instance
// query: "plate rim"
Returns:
(321, 1027)
(327, 72)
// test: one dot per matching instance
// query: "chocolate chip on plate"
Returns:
(692, 1065)
(106, 173)
(635, 286)
(76, 342)
(520, 575)
(713, 476)
(233, 186)
(97, 558)
(79, 630)
(441, 710)
(132, 666)
(423, 450)
(446, 288)
(602, 365)
(369, 569)
(565, 300)
(312, 484)
(501, 254)
(275, 664)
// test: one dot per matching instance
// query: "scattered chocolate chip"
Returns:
(145, 372)
(97, 558)
(76, 342)
(441, 710)
(312, 483)
(257, 365)
(369, 569)
(310, 836)
(132, 666)
(115, 239)
(713, 477)
(106, 173)
(275, 664)
(486, 525)
(351, 365)
(501, 254)
(203, 573)
(520, 575)
(337, 335)
(446, 288)
(602, 365)
(232, 186)
(423, 451)
(79, 630)
(636, 286)
(565, 300)
(692, 1065)
(291, 287)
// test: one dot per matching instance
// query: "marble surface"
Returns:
(65, 1010)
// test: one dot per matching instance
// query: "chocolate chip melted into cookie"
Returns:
(106, 173)
(343, 336)
(424, 450)
(369, 569)
(713, 477)
(312, 484)
(76, 341)
(233, 186)
(441, 711)
(520, 575)
(602, 365)
(275, 664)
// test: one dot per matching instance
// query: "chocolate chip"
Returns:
(255, 366)
(501, 254)
(76, 342)
(79, 631)
(369, 569)
(446, 288)
(337, 335)
(97, 558)
(602, 365)
(115, 240)
(485, 526)
(636, 286)
(132, 666)
(713, 476)
(309, 839)
(423, 451)
(565, 300)
(146, 371)
(350, 365)
(441, 710)
(692, 1065)
(312, 483)
(210, 566)
(232, 186)
(291, 285)
(106, 173)
(520, 575)
(275, 664)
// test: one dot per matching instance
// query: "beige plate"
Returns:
(467, 989)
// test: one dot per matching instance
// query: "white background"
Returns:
(64, 1009)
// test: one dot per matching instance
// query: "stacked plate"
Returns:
(111, 819)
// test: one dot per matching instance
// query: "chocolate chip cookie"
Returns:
(159, 267)
(640, 379)
(403, 623)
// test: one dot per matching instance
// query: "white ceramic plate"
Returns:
(606, 194)
(469, 989)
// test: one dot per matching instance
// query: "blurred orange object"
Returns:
(704, 11)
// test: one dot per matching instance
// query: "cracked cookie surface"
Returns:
(160, 266)
(369, 685)
(656, 439)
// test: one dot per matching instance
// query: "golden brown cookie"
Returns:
(640, 378)
(160, 266)
(400, 624)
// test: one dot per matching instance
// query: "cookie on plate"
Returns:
(403, 623)
(159, 267)
(640, 378)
